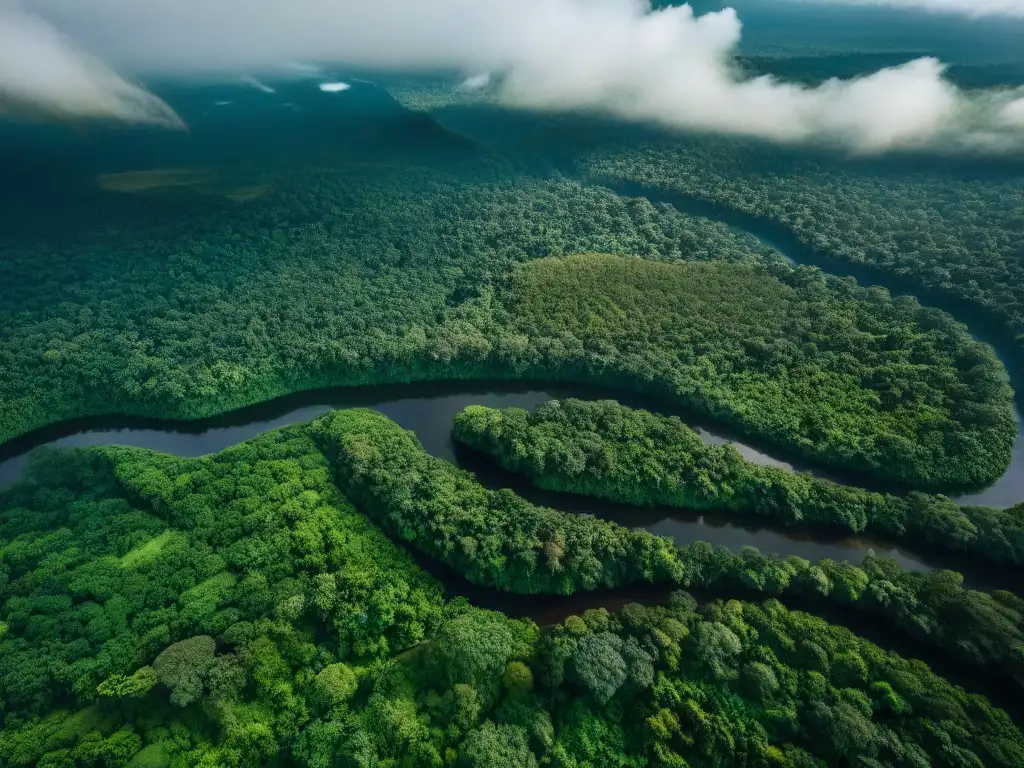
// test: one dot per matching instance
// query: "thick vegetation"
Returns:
(194, 611)
(258, 607)
(830, 370)
(494, 538)
(186, 309)
(497, 539)
(365, 276)
(951, 234)
(607, 450)
(237, 610)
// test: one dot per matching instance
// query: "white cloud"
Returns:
(44, 76)
(1013, 113)
(973, 8)
(616, 56)
(334, 87)
(475, 82)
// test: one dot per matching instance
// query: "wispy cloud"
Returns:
(476, 82)
(259, 85)
(44, 76)
(620, 57)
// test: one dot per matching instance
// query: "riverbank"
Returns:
(429, 410)
(984, 327)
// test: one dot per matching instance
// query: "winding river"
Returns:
(428, 410)
(1009, 489)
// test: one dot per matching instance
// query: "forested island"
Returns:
(613, 452)
(334, 593)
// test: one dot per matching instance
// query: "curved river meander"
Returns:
(428, 410)
(1009, 489)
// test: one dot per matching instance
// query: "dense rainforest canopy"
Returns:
(951, 234)
(840, 374)
(498, 539)
(832, 371)
(237, 610)
(189, 307)
(271, 604)
(613, 452)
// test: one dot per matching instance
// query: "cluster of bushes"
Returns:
(609, 451)
(236, 610)
(750, 684)
(984, 630)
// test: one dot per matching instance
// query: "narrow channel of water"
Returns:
(546, 610)
(719, 528)
(1005, 492)
(428, 410)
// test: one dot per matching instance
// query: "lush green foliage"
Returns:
(364, 276)
(983, 630)
(607, 450)
(724, 688)
(494, 538)
(951, 235)
(809, 362)
(497, 539)
(185, 603)
(236, 610)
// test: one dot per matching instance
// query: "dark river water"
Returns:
(1009, 489)
(1001, 690)
(429, 410)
